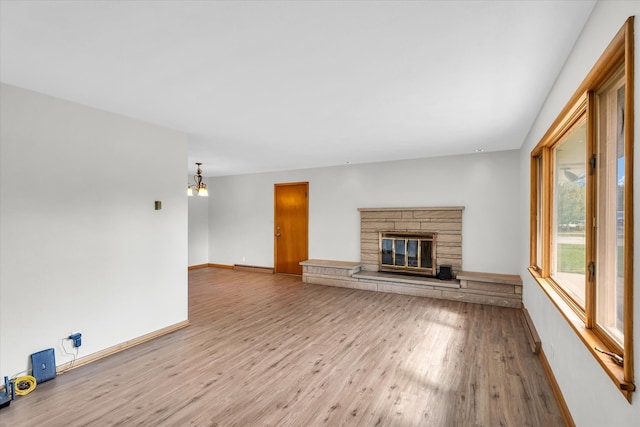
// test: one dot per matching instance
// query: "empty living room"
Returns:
(304, 213)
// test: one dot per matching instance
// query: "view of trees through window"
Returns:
(569, 261)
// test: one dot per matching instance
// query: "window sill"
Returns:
(590, 340)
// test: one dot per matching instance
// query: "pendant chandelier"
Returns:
(199, 186)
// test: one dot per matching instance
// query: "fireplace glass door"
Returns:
(412, 253)
(400, 252)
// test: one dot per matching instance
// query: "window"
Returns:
(569, 212)
(582, 211)
(610, 210)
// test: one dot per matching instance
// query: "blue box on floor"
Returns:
(43, 364)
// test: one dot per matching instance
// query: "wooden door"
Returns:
(291, 226)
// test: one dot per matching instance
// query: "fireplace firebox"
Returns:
(407, 252)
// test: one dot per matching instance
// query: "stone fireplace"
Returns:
(411, 240)
(385, 234)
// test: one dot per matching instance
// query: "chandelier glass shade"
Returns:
(199, 186)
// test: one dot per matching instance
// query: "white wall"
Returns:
(486, 184)
(591, 396)
(198, 228)
(82, 248)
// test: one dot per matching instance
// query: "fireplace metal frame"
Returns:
(406, 268)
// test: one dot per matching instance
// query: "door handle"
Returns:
(278, 234)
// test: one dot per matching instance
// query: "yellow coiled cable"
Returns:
(24, 385)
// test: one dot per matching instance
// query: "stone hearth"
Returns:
(503, 290)
(476, 287)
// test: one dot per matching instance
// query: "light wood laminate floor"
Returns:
(267, 350)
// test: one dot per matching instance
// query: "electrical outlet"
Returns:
(76, 338)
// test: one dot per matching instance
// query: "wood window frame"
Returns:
(619, 53)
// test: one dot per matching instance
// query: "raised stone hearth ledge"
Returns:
(475, 287)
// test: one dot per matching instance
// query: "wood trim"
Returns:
(253, 268)
(199, 266)
(628, 200)
(564, 409)
(533, 210)
(547, 192)
(587, 336)
(225, 266)
(60, 369)
(590, 211)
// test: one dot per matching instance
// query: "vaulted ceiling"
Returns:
(278, 85)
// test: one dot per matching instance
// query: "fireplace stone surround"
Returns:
(445, 221)
(476, 287)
